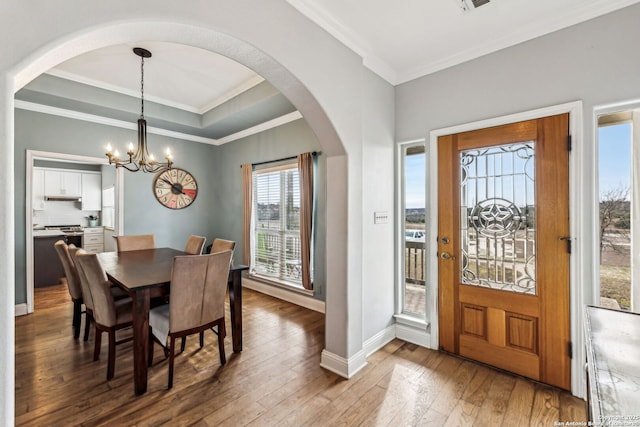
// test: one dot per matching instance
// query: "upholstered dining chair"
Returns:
(73, 284)
(136, 242)
(194, 245)
(109, 314)
(86, 291)
(196, 303)
(116, 292)
(218, 245)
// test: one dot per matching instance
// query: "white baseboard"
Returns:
(413, 335)
(379, 340)
(346, 368)
(21, 309)
(285, 295)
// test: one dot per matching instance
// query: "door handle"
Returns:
(446, 255)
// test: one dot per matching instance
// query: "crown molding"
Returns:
(70, 114)
(270, 124)
(320, 16)
(233, 92)
(523, 34)
(347, 37)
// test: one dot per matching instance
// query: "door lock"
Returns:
(445, 240)
(446, 255)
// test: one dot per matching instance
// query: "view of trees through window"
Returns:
(614, 142)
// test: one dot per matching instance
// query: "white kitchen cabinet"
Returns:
(93, 240)
(60, 183)
(37, 190)
(91, 192)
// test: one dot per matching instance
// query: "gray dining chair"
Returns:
(109, 314)
(73, 285)
(136, 242)
(195, 244)
(116, 292)
(196, 303)
(218, 245)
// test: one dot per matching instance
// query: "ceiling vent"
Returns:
(467, 5)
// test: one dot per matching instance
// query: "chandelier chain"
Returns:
(142, 88)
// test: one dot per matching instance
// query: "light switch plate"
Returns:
(380, 217)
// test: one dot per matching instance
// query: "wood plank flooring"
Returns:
(275, 381)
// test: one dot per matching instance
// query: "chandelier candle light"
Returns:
(140, 159)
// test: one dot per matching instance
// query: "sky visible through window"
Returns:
(415, 181)
(614, 145)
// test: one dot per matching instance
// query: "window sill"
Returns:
(413, 321)
(286, 293)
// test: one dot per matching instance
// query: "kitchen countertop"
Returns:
(47, 233)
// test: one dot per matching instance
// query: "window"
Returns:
(412, 242)
(276, 224)
(108, 207)
(616, 229)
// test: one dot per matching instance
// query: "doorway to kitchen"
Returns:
(71, 221)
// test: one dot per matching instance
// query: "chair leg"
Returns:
(77, 313)
(97, 345)
(111, 361)
(183, 344)
(87, 325)
(201, 339)
(172, 344)
(221, 334)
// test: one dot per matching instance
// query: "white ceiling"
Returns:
(399, 40)
(405, 39)
(180, 76)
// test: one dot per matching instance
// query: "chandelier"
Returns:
(140, 159)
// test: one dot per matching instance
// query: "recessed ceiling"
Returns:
(180, 76)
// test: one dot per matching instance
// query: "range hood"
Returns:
(63, 198)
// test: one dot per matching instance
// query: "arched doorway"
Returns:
(39, 61)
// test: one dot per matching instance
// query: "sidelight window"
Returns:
(412, 257)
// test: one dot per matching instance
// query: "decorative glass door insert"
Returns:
(497, 217)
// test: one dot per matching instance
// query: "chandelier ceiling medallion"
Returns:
(140, 159)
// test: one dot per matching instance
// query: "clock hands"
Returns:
(175, 187)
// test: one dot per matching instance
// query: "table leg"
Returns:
(235, 306)
(141, 301)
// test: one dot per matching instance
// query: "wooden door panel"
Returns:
(498, 135)
(473, 320)
(504, 266)
(522, 332)
(519, 362)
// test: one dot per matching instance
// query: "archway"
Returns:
(58, 51)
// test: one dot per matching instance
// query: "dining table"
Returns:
(146, 273)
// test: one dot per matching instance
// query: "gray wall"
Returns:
(215, 212)
(284, 141)
(595, 62)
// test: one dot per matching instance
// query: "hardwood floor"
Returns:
(276, 380)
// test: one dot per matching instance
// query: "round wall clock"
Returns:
(175, 188)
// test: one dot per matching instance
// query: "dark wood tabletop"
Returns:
(141, 273)
(133, 270)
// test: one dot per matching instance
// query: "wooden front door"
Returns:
(503, 247)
